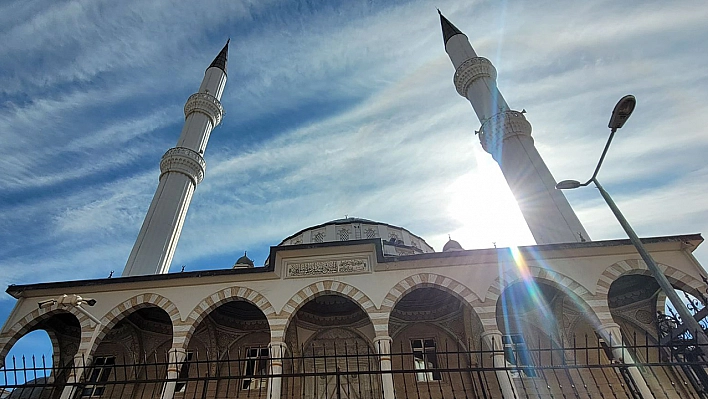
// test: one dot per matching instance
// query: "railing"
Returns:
(583, 369)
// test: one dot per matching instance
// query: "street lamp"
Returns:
(620, 114)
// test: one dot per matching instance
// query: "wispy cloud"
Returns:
(333, 108)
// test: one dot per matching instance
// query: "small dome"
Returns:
(452, 245)
(243, 261)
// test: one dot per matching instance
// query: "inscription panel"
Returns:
(327, 267)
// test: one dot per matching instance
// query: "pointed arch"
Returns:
(123, 309)
(32, 320)
(282, 320)
(213, 301)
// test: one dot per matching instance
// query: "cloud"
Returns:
(333, 108)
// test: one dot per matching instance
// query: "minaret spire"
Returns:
(221, 58)
(506, 135)
(182, 168)
(448, 29)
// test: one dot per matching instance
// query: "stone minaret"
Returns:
(181, 169)
(506, 135)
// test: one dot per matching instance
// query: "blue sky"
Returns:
(333, 109)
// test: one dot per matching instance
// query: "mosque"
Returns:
(356, 308)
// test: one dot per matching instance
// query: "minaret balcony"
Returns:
(471, 70)
(500, 127)
(206, 104)
(184, 160)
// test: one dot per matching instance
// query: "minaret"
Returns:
(506, 135)
(181, 169)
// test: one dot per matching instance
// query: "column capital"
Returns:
(493, 339)
(177, 354)
(277, 348)
(385, 338)
(382, 344)
(611, 333)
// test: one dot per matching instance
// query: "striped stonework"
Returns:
(676, 277)
(563, 283)
(279, 323)
(56, 348)
(446, 284)
(125, 308)
(183, 330)
(29, 323)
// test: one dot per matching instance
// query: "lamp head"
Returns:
(623, 109)
(568, 185)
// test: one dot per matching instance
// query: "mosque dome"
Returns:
(397, 240)
(243, 261)
(452, 245)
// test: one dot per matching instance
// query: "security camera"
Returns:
(46, 303)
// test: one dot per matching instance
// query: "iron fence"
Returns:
(586, 368)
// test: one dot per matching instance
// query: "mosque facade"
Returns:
(355, 308)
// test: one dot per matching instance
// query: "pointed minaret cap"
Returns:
(448, 29)
(220, 60)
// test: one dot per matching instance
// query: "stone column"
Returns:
(277, 353)
(81, 364)
(383, 348)
(493, 340)
(612, 335)
(175, 358)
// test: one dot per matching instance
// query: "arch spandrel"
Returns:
(213, 301)
(282, 320)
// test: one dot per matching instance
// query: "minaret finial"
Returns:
(222, 57)
(448, 29)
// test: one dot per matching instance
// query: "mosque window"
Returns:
(256, 365)
(517, 353)
(318, 237)
(425, 358)
(344, 235)
(370, 233)
(102, 366)
(184, 373)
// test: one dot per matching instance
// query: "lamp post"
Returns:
(620, 114)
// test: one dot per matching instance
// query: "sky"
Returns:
(334, 108)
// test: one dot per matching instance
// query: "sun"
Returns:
(485, 208)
